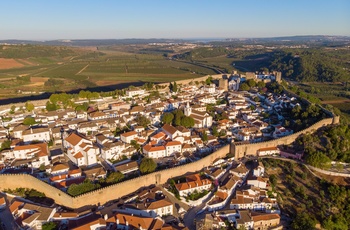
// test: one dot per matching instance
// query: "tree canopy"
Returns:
(147, 165)
(29, 121)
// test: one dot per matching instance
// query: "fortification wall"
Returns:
(13, 181)
(199, 79)
(241, 150)
(112, 192)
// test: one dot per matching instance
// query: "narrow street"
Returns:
(191, 214)
(177, 203)
(7, 219)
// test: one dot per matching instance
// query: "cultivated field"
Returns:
(81, 68)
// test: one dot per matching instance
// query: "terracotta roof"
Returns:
(2, 201)
(173, 143)
(169, 128)
(128, 134)
(40, 146)
(133, 221)
(74, 171)
(268, 149)
(14, 206)
(150, 148)
(78, 155)
(74, 139)
(159, 204)
(127, 166)
(264, 216)
(159, 135)
(59, 167)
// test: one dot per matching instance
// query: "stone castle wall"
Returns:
(103, 195)
(13, 181)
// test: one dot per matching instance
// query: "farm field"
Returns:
(82, 68)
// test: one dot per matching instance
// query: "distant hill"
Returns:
(105, 42)
(92, 42)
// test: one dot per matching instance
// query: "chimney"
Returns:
(31, 130)
(117, 221)
(106, 217)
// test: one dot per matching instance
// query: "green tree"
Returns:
(114, 177)
(42, 168)
(215, 131)
(12, 109)
(251, 83)
(49, 226)
(273, 180)
(147, 165)
(29, 121)
(136, 145)
(175, 89)
(51, 106)
(178, 114)
(244, 87)
(303, 222)
(86, 186)
(29, 106)
(261, 84)
(318, 159)
(204, 136)
(142, 120)
(209, 80)
(6, 144)
(187, 122)
(167, 118)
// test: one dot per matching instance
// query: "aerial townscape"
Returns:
(155, 122)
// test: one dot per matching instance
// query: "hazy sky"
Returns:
(74, 19)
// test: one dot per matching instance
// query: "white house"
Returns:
(268, 151)
(173, 147)
(154, 151)
(193, 183)
(128, 136)
(80, 150)
(36, 134)
(134, 92)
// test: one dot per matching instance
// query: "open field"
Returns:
(88, 68)
(8, 63)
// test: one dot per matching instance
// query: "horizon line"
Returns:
(173, 38)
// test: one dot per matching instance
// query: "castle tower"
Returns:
(278, 77)
(223, 83)
(188, 110)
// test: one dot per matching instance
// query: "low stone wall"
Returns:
(241, 150)
(329, 172)
(103, 195)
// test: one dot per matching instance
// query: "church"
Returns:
(201, 119)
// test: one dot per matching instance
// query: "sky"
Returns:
(115, 19)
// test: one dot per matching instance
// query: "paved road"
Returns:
(7, 218)
(191, 214)
(177, 203)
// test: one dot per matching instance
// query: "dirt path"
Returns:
(335, 101)
(82, 69)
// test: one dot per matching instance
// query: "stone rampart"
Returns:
(241, 150)
(112, 192)
(13, 181)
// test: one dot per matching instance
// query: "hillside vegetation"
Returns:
(35, 51)
(312, 65)
(307, 199)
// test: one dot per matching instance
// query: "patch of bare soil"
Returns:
(8, 63)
